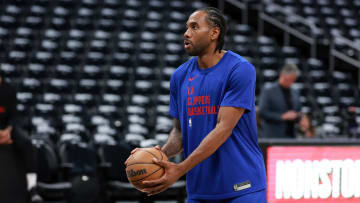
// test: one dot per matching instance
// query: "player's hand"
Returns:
(136, 149)
(172, 173)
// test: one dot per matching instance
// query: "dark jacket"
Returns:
(272, 105)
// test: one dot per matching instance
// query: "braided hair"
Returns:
(216, 18)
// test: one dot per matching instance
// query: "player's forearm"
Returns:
(173, 144)
(207, 147)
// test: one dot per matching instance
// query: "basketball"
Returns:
(140, 166)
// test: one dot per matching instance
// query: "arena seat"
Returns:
(50, 185)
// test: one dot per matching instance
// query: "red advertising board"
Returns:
(310, 174)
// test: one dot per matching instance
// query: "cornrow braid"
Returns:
(216, 19)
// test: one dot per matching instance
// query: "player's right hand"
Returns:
(136, 149)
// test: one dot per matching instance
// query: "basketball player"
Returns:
(212, 100)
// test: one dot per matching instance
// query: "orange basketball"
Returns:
(140, 166)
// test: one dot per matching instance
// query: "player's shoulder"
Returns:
(183, 68)
(241, 64)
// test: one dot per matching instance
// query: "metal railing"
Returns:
(310, 38)
(243, 5)
(334, 53)
(285, 26)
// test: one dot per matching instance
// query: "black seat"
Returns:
(129, 25)
(64, 71)
(167, 72)
(74, 45)
(31, 85)
(56, 98)
(84, 23)
(154, 15)
(108, 110)
(177, 5)
(85, 99)
(175, 27)
(163, 99)
(145, 73)
(107, 24)
(178, 16)
(80, 159)
(8, 21)
(96, 58)
(174, 48)
(147, 59)
(10, 70)
(69, 58)
(34, 22)
(163, 123)
(125, 46)
(71, 112)
(172, 60)
(108, 13)
(27, 98)
(21, 43)
(148, 47)
(121, 59)
(37, 70)
(91, 86)
(49, 183)
(118, 72)
(143, 87)
(140, 100)
(60, 85)
(43, 57)
(117, 186)
(98, 45)
(164, 87)
(92, 71)
(115, 86)
(17, 57)
(60, 23)
(156, 5)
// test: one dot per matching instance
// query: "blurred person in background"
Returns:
(17, 172)
(353, 129)
(279, 105)
(306, 126)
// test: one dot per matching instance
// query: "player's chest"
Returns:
(201, 89)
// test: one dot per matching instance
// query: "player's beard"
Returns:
(197, 49)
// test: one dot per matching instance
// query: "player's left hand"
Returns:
(172, 173)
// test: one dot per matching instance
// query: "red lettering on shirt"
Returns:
(200, 105)
(202, 110)
(190, 90)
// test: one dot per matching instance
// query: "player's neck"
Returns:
(210, 59)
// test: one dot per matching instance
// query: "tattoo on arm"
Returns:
(173, 144)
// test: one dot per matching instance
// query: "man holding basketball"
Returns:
(212, 100)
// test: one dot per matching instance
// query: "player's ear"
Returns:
(215, 32)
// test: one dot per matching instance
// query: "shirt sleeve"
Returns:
(173, 111)
(240, 89)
